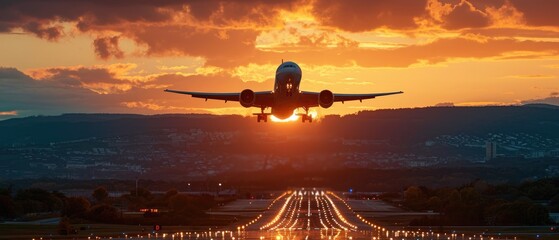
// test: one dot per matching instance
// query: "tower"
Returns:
(490, 150)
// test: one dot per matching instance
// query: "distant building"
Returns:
(490, 150)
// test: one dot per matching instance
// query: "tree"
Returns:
(537, 215)
(171, 192)
(37, 200)
(100, 194)
(141, 192)
(554, 203)
(434, 203)
(185, 205)
(415, 198)
(7, 207)
(75, 207)
(64, 226)
(103, 213)
(539, 190)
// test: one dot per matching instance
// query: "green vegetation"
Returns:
(170, 208)
(480, 203)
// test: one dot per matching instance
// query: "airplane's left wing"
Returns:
(263, 99)
(310, 99)
(340, 97)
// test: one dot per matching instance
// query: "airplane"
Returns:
(286, 96)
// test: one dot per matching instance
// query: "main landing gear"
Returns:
(306, 117)
(262, 116)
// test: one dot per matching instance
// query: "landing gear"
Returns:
(306, 116)
(262, 116)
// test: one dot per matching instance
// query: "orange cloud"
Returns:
(96, 79)
(173, 40)
(152, 106)
(8, 113)
(531, 76)
(505, 15)
(435, 52)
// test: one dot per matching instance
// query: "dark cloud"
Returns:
(19, 13)
(214, 29)
(465, 15)
(362, 15)
(535, 12)
(80, 74)
(46, 32)
(21, 93)
(106, 47)
(220, 48)
(223, 13)
(104, 14)
(552, 100)
(224, 32)
(538, 12)
(64, 90)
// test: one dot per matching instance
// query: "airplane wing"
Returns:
(311, 98)
(338, 97)
(263, 99)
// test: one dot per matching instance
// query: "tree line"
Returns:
(480, 203)
(180, 209)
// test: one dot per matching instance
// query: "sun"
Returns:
(294, 117)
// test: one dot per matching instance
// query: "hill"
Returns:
(402, 125)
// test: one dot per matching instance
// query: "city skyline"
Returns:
(99, 57)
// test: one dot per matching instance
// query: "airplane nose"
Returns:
(290, 76)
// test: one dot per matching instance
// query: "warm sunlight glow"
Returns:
(292, 118)
(314, 114)
(295, 117)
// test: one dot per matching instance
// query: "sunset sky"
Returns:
(108, 56)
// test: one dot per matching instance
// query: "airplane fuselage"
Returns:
(286, 90)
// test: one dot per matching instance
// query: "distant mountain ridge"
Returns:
(541, 105)
(406, 125)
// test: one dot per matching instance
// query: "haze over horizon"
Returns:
(91, 56)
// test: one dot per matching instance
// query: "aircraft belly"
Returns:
(285, 105)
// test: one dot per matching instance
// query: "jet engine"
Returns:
(325, 98)
(247, 97)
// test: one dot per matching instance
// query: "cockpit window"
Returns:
(288, 66)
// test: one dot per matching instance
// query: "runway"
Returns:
(321, 214)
